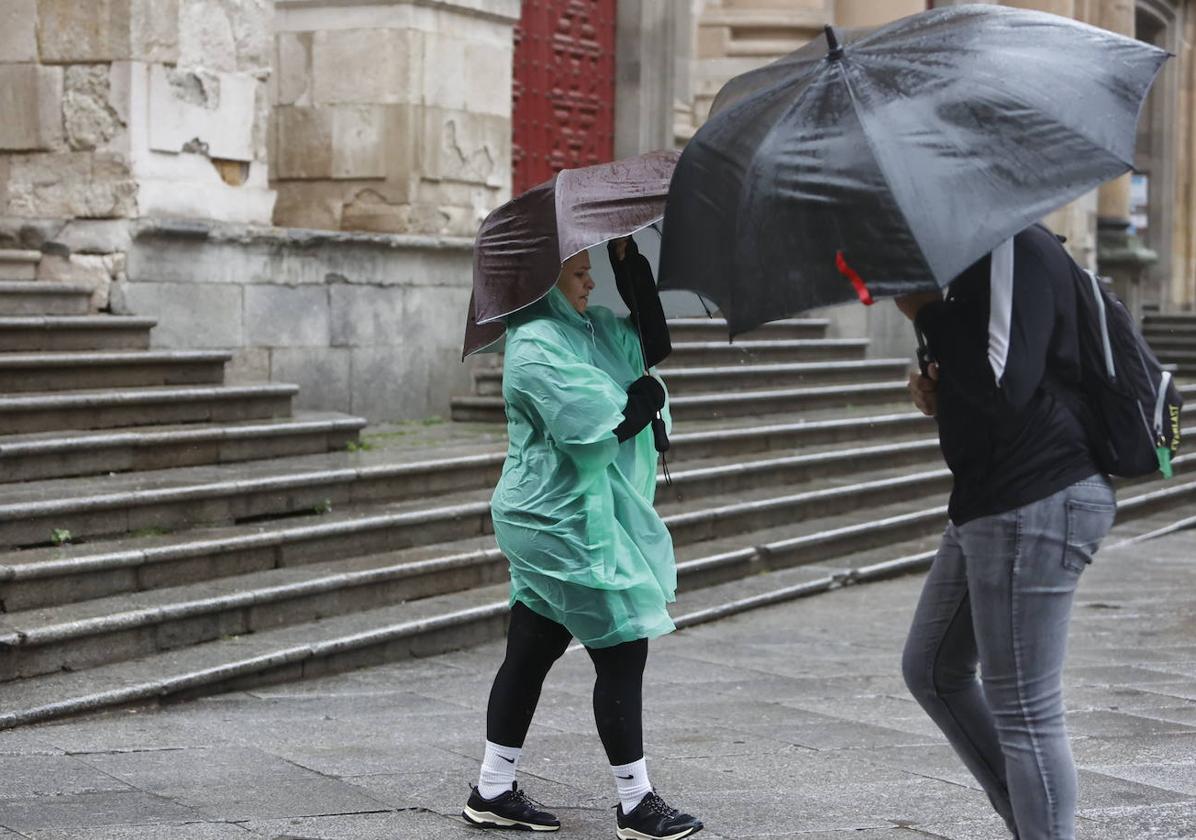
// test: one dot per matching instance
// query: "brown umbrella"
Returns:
(518, 252)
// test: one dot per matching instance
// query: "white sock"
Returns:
(498, 770)
(633, 784)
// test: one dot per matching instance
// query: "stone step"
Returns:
(63, 454)
(97, 632)
(1176, 320)
(748, 352)
(704, 380)
(439, 623)
(723, 439)
(33, 333)
(1182, 335)
(43, 299)
(769, 587)
(687, 407)
(171, 499)
(18, 265)
(47, 576)
(68, 371)
(108, 409)
(1184, 363)
(373, 637)
(683, 330)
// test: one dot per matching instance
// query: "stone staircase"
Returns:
(216, 542)
(1173, 339)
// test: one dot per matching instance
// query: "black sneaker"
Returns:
(512, 809)
(652, 819)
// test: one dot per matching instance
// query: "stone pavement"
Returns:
(790, 722)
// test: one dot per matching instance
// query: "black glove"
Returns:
(637, 287)
(645, 397)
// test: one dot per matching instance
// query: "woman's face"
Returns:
(575, 282)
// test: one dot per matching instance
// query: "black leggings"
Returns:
(533, 644)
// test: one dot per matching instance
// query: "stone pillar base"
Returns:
(1123, 258)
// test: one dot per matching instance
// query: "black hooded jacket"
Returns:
(1015, 438)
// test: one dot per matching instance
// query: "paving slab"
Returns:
(788, 722)
(152, 831)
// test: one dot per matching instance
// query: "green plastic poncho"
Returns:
(573, 509)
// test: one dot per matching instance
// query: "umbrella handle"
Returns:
(924, 357)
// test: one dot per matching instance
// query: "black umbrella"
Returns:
(883, 161)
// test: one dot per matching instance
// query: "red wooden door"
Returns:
(564, 91)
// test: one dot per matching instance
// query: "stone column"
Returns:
(392, 116)
(1179, 289)
(646, 74)
(1120, 254)
(1063, 8)
(853, 13)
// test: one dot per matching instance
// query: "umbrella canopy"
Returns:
(521, 245)
(885, 161)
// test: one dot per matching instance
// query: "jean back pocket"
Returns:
(1087, 525)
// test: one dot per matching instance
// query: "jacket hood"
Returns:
(555, 306)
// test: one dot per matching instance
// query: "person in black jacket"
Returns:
(1028, 510)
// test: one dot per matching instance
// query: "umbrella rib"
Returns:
(880, 163)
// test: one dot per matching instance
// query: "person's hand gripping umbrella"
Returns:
(636, 286)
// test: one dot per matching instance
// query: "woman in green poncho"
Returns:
(589, 556)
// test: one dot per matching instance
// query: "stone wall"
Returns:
(367, 324)
(120, 109)
(392, 115)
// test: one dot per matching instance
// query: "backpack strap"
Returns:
(1000, 307)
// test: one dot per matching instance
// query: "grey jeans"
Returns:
(999, 596)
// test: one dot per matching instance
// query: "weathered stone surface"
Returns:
(292, 68)
(461, 146)
(31, 102)
(360, 141)
(467, 76)
(52, 775)
(18, 30)
(189, 315)
(103, 808)
(392, 383)
(286, 316)
(154, 31)
(251, 364)
(18, 265)
(91, 121)
(366, 66)
(26, 234)
(322, 374)
(91, 271)
(310, 204)
(224, 36)
(192, 186)
(208, 35)
(367, 315)
(371, 209)
(302, 143)
(71, 184)
(95, 236)
(209, 113)
(108, 30)
(70, 31)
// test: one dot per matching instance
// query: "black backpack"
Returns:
(1133, 403)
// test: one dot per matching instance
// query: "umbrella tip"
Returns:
(832, 42)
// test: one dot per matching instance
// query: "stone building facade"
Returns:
(300, 180)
